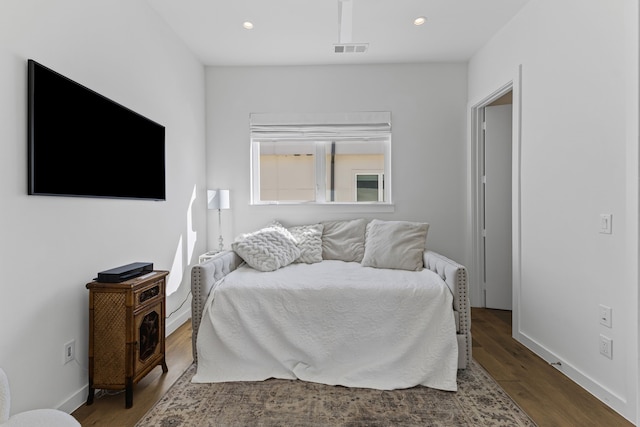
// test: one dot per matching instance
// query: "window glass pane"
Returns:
(345, 159)
(287, 171)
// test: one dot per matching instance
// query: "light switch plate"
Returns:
(605, 223)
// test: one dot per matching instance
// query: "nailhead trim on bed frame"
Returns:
(202, 281)
(455, 276)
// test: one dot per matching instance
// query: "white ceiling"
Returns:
(299, 32)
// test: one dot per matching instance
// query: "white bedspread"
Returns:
(341, 324)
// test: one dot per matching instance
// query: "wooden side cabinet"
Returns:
(126, 332)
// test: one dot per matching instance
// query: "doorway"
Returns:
(508, 94)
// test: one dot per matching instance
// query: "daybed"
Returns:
(361, 311)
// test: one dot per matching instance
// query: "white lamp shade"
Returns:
(218, 199)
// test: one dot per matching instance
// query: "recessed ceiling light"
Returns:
(419, 20)
(248, 25)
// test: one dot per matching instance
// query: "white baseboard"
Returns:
(611, 399)
(79, 398)
(76, 400)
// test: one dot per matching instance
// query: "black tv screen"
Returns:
(84, 145)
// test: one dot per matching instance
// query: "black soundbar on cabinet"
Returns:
(125, 272)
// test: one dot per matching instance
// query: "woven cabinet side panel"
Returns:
(110, 336)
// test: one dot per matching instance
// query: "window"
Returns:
(321, 158)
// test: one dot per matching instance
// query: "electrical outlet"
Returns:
(69, 351)
(604, 314)
(606, 346)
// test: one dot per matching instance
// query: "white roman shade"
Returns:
(360, 125)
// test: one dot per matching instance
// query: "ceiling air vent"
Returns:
(345, 28)
(350, 47)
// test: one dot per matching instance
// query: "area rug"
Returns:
(479, 401)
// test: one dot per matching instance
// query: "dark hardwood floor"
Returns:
(109, 411)
(545, 394)
(548, 396)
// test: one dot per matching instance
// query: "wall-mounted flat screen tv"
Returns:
(84, 145)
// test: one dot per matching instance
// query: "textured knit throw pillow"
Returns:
(309, 239)
(267, 249)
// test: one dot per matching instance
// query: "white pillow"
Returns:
(395, 244)
(309, 239)
(344, 240)
(267, 249)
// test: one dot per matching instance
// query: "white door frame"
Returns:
(475, 127)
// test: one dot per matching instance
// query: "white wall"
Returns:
(427, 104)
(579, 137)
(50, 247)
